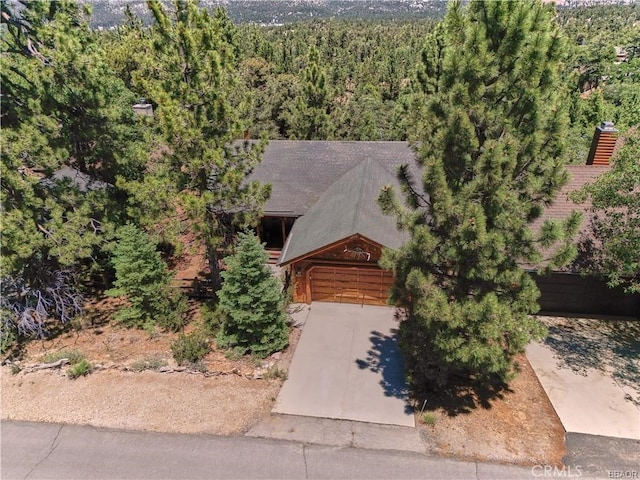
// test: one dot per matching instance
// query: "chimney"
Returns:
(143, 108)
(603, 144)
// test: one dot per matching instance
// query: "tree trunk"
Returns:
(214, 268)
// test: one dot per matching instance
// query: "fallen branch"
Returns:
(43, 366)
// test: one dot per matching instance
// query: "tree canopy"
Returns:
(488, 127)
(189, 75)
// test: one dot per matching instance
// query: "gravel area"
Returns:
(175, 402)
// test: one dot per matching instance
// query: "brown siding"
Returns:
(570, 293)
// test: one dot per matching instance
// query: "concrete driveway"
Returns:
(347, 366)
(590, 369)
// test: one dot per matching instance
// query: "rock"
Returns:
(267, 364)
(179, 369)
(165, 369)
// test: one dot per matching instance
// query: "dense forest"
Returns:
(352, 80)
(67, 97)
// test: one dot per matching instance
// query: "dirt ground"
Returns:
(221, 396)
(520, 427)
(229, 396)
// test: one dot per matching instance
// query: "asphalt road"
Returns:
(33, 450)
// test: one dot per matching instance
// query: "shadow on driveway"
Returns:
(608, 345)
(384, 358)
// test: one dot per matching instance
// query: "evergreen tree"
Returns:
(488, 129)
(143, 278)
(309, 117)
(189, 77)
(61, 106)
(252, 302)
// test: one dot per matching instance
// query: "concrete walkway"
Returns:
(347, 366)
(590, 371)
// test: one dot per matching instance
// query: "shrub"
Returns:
(212, 317)
(74, 356)
(428, 419)
(252, 302)
(190, 348)
(80, 369)
(143, 278)
(8, 336)
(152, 362)
(276, 372)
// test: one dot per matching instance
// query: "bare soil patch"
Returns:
(519, 425)
(222, 396)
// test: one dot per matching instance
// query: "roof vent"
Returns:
(143, 108)
(603, 144)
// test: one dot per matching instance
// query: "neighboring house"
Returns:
(323, 224)
(570, 290)
(80, 180)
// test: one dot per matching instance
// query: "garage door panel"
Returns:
(350, 284)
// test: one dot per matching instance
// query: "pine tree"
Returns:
(252, 302)
(61, 106)
(190, 76)
(143, 278)
(488, 129)
(309, 117)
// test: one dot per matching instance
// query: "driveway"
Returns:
(590, 369)
(347, 366)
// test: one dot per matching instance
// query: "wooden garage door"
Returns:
(350, 285)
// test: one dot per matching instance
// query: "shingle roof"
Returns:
(301, 171)
(348, 207)
(562, 206)
(81, 180)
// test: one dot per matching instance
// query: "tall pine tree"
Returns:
(61, 106)
(309, 117)
(488, 129)
(189, 77)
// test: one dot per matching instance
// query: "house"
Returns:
(323, 224)
(323, 221)
(570, 290)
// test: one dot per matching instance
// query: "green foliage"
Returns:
(153, 362)
(74, 356)
(309, 116)
(62, 107)
(190, 348)
(80, 369)
(615, 198)
(428, 418)
(190, 73)
(252, 302)
(489, 127)
(143, 278)
(212, 317)
(8, 336)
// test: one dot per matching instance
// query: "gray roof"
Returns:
(348, 207)
(80, 180)
(301, 171)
